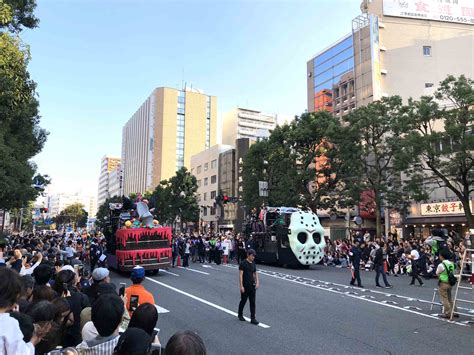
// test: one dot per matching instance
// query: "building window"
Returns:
(206, 167)
(206, 181)
(198, 198)
(213, 179)
(213, 195)
(199, 183)
(427, 51)
(214, 164)
(199, 168)
(204, 211)
(204, 196)
(429, 85)
(213, 211)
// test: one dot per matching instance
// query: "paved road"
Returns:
(305, 312)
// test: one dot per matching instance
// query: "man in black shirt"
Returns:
(249, 283)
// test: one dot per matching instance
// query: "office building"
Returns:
(107, 165)
(246, 123)
(115, 182)
(398, 48)
(205, 167)
(169, 127)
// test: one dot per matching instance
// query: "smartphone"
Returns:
(122, 288)
(133, 303)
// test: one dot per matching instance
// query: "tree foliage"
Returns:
(21, 138)
(440, 143)
(301, 163)
(73, 215)
(16, 14)
(176, 197)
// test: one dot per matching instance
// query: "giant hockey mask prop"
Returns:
(306, 236)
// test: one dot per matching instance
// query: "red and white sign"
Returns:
(459, 11)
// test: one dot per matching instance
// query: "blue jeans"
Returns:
(379, 270)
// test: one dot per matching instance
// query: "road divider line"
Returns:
(187, 268)
(220, 308)
(169, 272)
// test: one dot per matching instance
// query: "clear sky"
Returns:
(96, 61)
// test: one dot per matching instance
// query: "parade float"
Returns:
(286, 236)
(138, 241)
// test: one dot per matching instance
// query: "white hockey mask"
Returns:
(306, 236)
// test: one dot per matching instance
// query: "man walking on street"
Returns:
(355, 255)
(444, 288)
(414, 256)
(379, 266)
(248, 280)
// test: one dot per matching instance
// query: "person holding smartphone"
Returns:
(137, 294)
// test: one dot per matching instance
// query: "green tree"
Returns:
(21, 138)
(373, 152)
(16, 14)
(440, 145)
(176, 197)
(301, 164)
(162, 200)
(75, 215)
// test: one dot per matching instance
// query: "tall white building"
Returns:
(246, 123)
(205, 167)
(107, 165)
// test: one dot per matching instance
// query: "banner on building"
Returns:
(442, 208)
(459, 11)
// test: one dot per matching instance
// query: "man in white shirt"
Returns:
(414, 256)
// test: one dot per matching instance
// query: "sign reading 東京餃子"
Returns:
(460, 11)
(442, 208)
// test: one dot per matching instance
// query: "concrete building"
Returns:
(246, 123)
(232, 214)
(58, 202)
(205, 167)
(398, 48)
(394, 48)
(169, 127)
(115, 182)
(107, 165)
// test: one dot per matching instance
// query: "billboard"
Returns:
(459, 11)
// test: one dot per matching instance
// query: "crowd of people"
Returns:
(56, 297)
(217, 248)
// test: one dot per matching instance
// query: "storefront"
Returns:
(446, 215)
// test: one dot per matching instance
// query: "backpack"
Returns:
(451, 278)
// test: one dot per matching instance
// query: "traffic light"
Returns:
(43, 210)
(225, 199)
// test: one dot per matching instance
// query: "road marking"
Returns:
(169, 272)
(208, 267)
(200, 272)
(161, 310)
(228, 311)
(363, 299)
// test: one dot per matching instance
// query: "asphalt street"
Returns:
(305, 312)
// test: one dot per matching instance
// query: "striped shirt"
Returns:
(101, 348)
